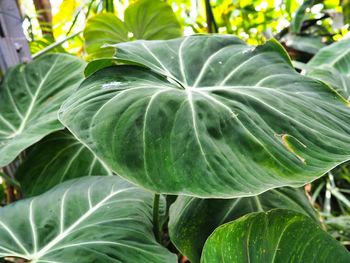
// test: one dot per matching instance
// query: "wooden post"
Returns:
(13, 43)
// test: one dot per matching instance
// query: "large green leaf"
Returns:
(30, 96)
(277, 236)
(145, 19)
(57, 158)
(92, 219)
(212, 117)
(192, 220)
(332, 65)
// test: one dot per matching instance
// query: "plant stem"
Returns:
(211, 24)
(54, 45)
(156, 226)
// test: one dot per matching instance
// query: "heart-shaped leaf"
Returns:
(192, 220)
(276, 236)
(57, 158)
(92, 219)
(211, 117)
(30, 96)
(145, 19)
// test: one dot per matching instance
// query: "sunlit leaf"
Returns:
(145, 19)
(192, 220)
(276, 236)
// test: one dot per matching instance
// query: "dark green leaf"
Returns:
(222, 120)
(93, 219)
(30, 97)
(192, 220)
(57, 158)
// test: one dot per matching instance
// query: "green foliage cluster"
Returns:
(159, 147)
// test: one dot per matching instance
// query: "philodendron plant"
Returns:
(229, 129)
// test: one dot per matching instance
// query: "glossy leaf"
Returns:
(145, 19)
(93, 219)
(192, 220)
(57, 158)
(276, 236)
(222, 120)
(30, 96)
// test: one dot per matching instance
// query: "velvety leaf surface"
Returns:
(30, 96)
(332, 65)
(192, 220)
(222, 120)
(278, 236)
(92, 219)
(145, 19)
(57, 158)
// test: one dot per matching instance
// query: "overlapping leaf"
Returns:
(192, 220)
(57, 158)
(277, 236)
(332, 65)
(210, 116)
(30, 97)
(92, 219)
(145, 19)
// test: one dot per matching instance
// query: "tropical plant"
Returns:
(167, 148)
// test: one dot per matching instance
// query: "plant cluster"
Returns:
(166, 148)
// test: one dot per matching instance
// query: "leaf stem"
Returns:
(156, 226)
(54, 45)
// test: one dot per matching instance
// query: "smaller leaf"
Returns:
(152, 20)
(101, 30)
(98, 64)
(92, 219)
(57, 158)
(192, 220)
(308, 44)
(332, 66)
(145, 19)
(299, 16)
(30, 96)
(276, 236)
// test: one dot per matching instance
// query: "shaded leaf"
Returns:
(332, 65)
(57, 158)
(93, 219)
(30, 96)
(192, 220)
